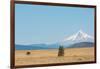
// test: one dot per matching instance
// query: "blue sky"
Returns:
(49, 24)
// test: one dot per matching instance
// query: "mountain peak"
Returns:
(80, 35)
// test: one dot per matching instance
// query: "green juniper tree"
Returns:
(61, 51)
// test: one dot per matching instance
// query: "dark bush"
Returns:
(28, 53)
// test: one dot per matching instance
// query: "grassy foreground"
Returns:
(51, 56)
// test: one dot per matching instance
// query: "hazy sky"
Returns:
(50, 24)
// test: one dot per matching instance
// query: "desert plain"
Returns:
(50, 56)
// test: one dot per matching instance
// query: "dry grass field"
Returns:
(51, 56)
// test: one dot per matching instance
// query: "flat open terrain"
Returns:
(50, 56)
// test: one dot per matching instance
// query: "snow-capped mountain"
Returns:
(80, 36)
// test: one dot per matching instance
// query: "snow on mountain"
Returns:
(80, 36)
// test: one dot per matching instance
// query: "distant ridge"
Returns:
(36, 46)
(81, 45)
(52, 46)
